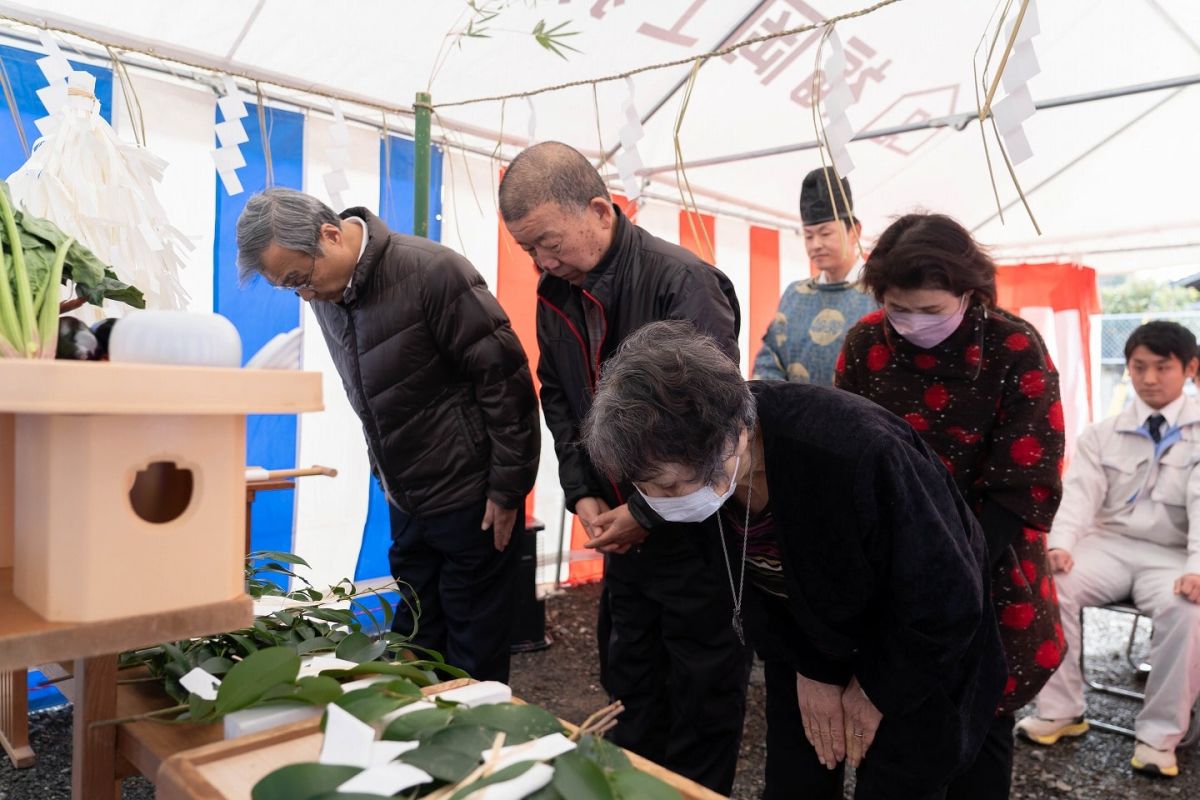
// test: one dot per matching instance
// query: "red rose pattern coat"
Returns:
(986, 400)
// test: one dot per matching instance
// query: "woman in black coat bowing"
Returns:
(853, 563)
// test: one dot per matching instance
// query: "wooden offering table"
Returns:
(122, 513)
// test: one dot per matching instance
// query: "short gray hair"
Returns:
(669, 396)
(289, 218)
(548, 172)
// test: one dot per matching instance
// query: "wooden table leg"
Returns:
(93, 763)
(14, 717)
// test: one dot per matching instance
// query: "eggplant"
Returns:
(103, 329)
(76, 340)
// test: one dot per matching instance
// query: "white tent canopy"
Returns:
(1112, 181)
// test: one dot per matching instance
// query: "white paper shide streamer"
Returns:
(99, 189)
(838, 130)
(1011, 112)
(231, 133)
(628, 160)
(338, 157)
(532, 122)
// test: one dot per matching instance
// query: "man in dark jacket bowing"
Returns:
(680, 674)
(436, 374)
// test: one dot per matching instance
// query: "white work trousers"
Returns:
(1110, 568)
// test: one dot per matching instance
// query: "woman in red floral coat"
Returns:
(977, 384)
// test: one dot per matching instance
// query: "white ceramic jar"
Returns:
(176, 337)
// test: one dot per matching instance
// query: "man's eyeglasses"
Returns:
(301, 286)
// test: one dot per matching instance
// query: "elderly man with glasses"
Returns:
(442, 386)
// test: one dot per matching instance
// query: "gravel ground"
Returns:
(564, 678)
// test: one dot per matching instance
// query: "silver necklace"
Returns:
(736, 591)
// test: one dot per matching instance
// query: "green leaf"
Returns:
(109, 287)
(470, 740)
(252, 677)
(579, 779)
(248, 646)
(441, 762)
(315, 690)
(358, 647)
(633, 784)
(414, 674)
(302, 781)
(547, 792)
(603, 753)
(45, 230)
(371, 702)
(200, 710)
(216, 665)
(520, 722)
(278, 555)
(314, 644)
(38, 261)
(84, 268)
(336, 615)
(506, 774)
(418, 724)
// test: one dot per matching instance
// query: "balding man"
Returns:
(666, 649)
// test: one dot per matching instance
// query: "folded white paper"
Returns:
(231, 132)
(386, 779)
(420, 705)
(261, 718)
(231, 182)
(1014, 109)
(385, 752)
(479, 694)
(523, 785)
(228, 159)
(543, 749)
(318, 664)
(283, 351)
(348, 739)
(201, 683)
(1017, 145)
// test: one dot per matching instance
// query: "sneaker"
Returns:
(1040, 730)
(1153, 761)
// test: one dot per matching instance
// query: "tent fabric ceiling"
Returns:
(1107, 175)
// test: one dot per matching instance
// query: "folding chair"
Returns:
(1141, 669)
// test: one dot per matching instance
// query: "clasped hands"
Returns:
(840, 723)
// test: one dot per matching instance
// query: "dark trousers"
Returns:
(793, 770)
(462, 585)
(990, 776)
(672, 657)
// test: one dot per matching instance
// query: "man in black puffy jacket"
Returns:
(666, 648)
(442, 386)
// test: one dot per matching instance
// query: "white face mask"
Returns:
(696, 506)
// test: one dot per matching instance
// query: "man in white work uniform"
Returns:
(1129, 526)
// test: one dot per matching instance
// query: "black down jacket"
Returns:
(435, 373)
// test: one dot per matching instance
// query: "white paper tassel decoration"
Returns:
(1017, 106)
(100, 189)
(231, 133)
(338, 157)
(628, 161)
(838, 130)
